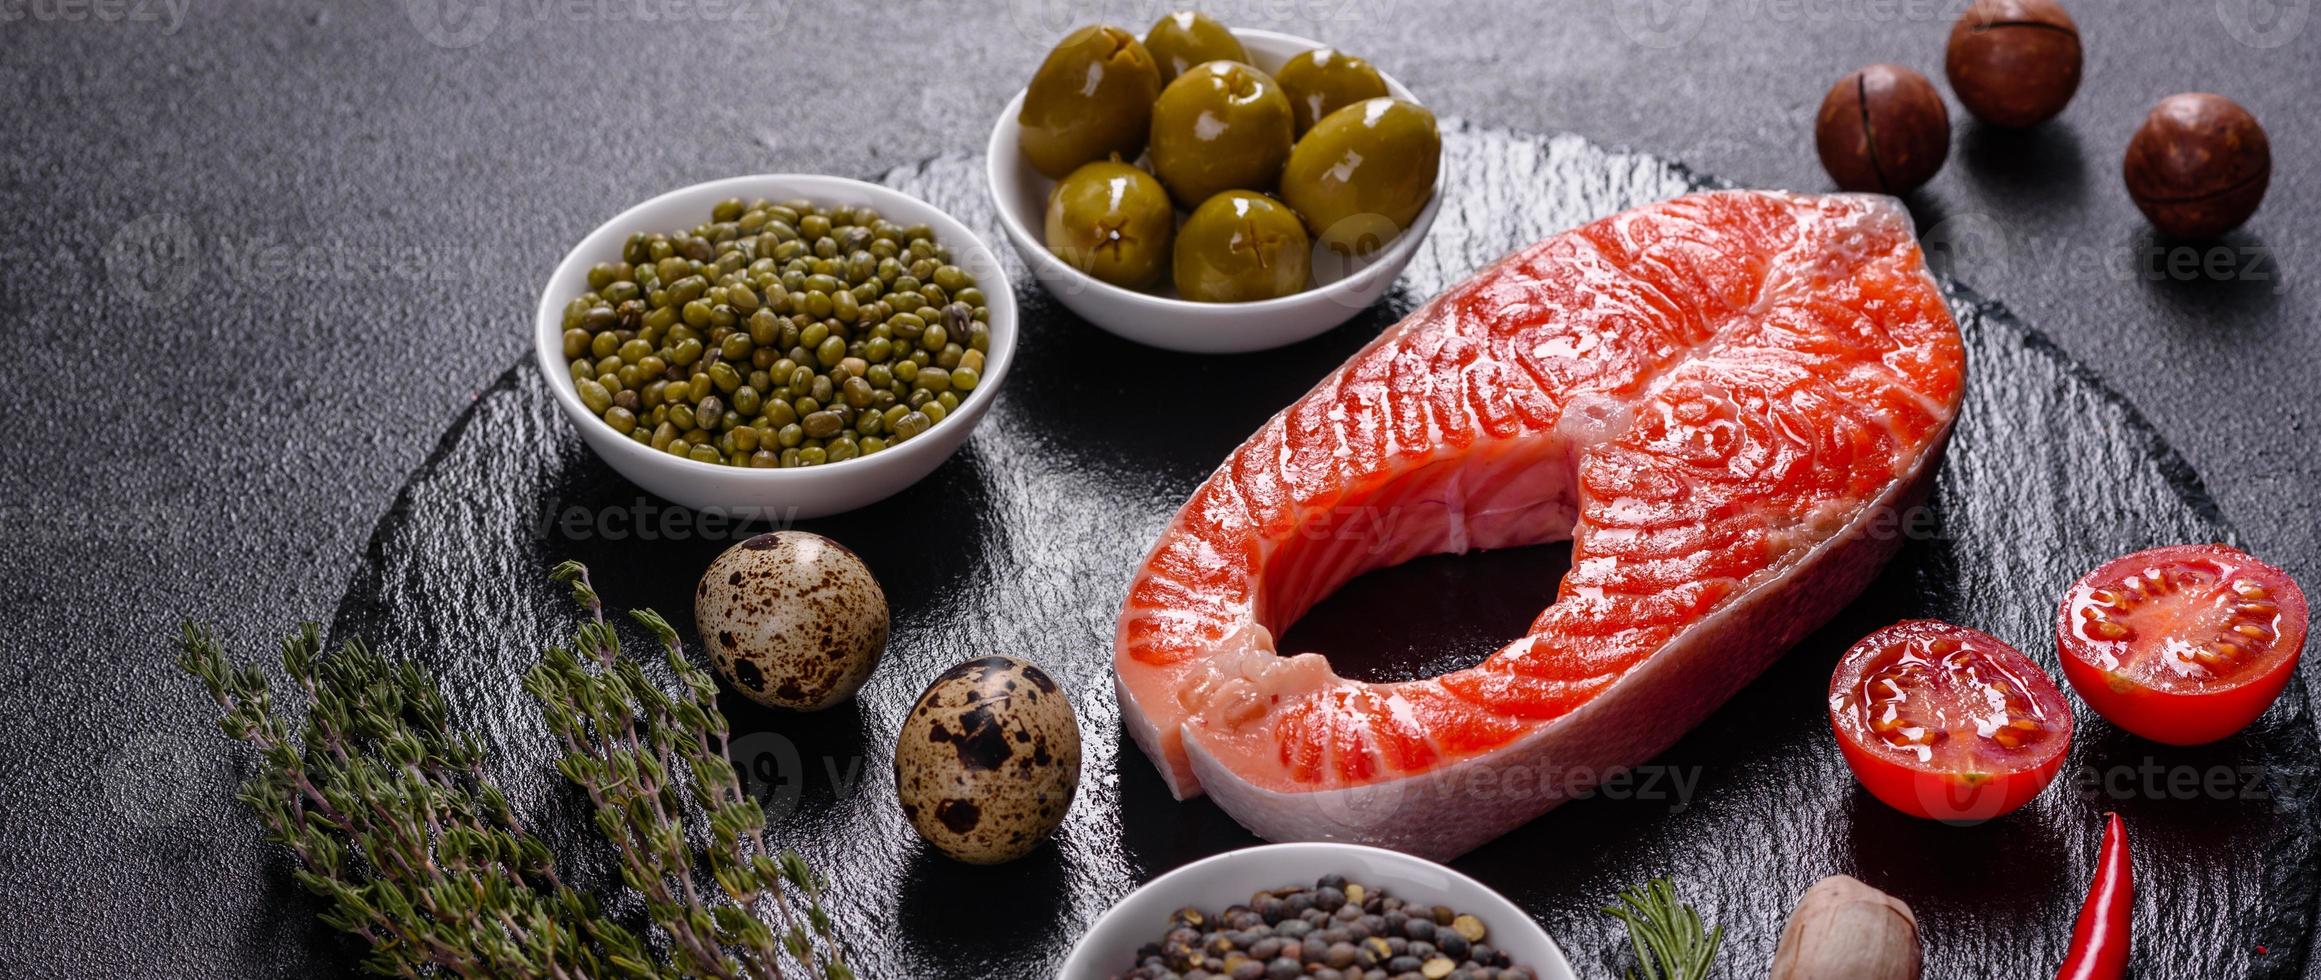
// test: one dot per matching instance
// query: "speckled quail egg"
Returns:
(791, 620)
(988, 760)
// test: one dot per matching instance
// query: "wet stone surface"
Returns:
(1022, 545)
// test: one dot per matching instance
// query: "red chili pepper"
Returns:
(2099, 941)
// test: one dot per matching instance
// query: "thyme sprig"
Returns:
(411, 845)
(1672, 943)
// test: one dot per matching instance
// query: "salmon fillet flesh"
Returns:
(1723, 401)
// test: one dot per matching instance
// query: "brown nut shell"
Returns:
(2199, 165)
(1884, 129)
(2014, 63)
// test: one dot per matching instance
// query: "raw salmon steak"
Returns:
(1723, 401)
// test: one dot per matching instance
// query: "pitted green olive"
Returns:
(1221, 126)
(1092, 98)
(1325, 80)
(1112, 221)
(1187, 38)
(1364, 173)
(1238, 247)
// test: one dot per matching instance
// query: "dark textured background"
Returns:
(1037, 524)
(365, 197)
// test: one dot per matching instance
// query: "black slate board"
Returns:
(1024, 542)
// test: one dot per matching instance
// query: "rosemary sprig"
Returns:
(1671, 941)
(414, 849)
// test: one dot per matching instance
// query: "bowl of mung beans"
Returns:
(787, 344)
(1315, 909)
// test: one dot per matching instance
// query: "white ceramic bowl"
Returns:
(1160, 319)
(779, 494)
(1109, 947)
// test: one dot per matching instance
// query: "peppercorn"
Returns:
(1883, 128)
(2199, 165)
(1334, 929)
(2014, 63)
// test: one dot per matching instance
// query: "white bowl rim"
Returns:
(1018, 232)
(999, 295)
(1074, 967)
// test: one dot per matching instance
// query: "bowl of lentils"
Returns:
(791, 345)
(1315, 910)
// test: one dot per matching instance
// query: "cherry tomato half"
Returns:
(2185, 644)
(1947, 723)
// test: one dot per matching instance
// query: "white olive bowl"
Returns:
(1341, 289)
(1210, 884)
(798, 492)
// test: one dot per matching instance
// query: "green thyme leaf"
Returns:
(412, 847)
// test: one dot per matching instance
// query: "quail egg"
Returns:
(987, 761)
(791, 620)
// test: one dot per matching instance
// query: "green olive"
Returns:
(1364, 173)
(1221, 126)
(1187, 38)
(1325, 80)
(1238, 247)
(1112, 221)
(1091, 98)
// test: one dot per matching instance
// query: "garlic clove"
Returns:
(1845, 930)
